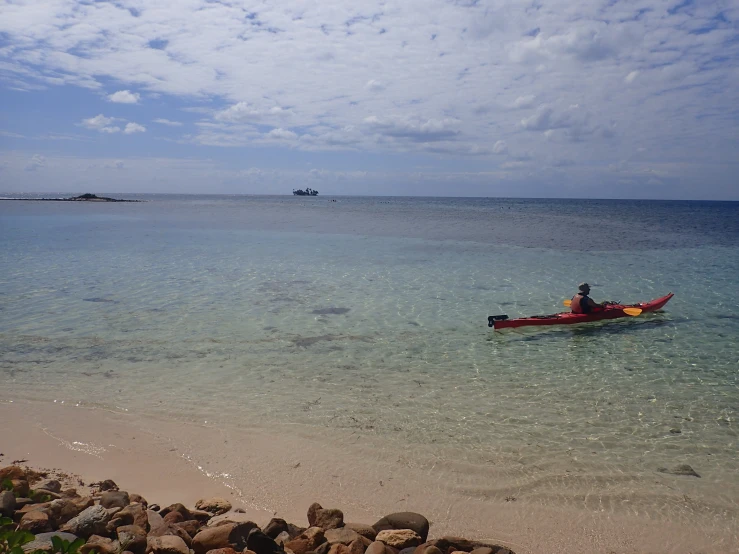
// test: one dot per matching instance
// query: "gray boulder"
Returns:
(64, 509)
(7, 504)
(51, 485)
(91, 521)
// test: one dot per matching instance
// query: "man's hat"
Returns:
(583, 287)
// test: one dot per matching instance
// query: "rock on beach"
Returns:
(35, 521)
(307, 541)
(91, 521)
(7, 504)
(258, 542)
(399, 538)
(225, 535)
(132, 538)
(343, 535)
(112, 521)
(133, 514)
(215, 506)
(114, 499)
(100, 545)
(362, 529)
(167, 544)
(51, 485)
(275, 527)
(330, 518)
(404, 520)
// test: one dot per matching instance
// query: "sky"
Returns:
(560, 98)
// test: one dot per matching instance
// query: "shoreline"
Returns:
(278, 476)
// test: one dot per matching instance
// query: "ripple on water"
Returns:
(387, 337)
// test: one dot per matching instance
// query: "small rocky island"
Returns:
(82, 198)
(307, 192)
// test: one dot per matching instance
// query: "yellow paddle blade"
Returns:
(567, 303)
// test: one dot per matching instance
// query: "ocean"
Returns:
(367, 316)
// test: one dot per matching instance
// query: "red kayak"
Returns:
(612, 311)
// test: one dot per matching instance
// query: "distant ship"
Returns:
(307, 192)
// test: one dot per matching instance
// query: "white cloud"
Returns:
(132, 128)
(243, 112)
(374, 86)
(104, 124)
(500, 147)
(10, 134)
(101, 123)
(124, 97)
(238, 112)
(414, 129)
(524, 101)
(37, 161)
(543, 120)
(577, 123)
(281, 134)
(422, 77)
(587, 41)
(167, 122)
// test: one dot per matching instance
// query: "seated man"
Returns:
(582, 303)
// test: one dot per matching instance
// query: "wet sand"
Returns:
(268, 473)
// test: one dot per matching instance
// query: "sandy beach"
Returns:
(154, 458)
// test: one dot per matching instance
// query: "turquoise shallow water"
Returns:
(370, 315)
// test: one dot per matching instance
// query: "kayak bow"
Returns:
(612, 311)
